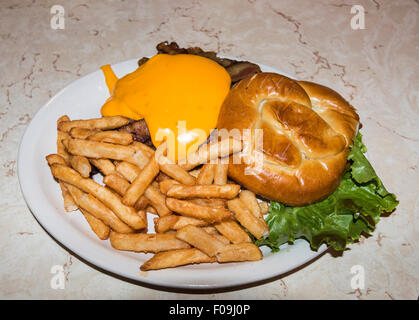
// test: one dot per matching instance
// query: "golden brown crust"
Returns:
(307, 131)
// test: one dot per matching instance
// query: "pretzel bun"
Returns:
(307, 131)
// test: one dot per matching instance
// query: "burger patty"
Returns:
(139, 130)
(237, 70)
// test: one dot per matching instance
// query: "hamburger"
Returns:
(321, 185)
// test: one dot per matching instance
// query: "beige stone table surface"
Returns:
(375, 68)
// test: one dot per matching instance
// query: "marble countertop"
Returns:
(375, 68)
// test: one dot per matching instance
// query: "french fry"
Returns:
(141, 182)
(69, 203)
(254, 225)
(239, 252)
(55, 159)
(105, 166)
(151, 209)
(232, 231)
(142, 203)
(98, 209)
(81, 165)
(110, 199)
(116, 183)
(227, 191)
(112, 136)
(146, 242)
(176, 258)
(157, 200)
(82, 133)
(175, 222)
(206, 175)
(165, 185)
(61, 150)
(211, 151)
(210, 230)
(215, 203)
(220, 175)
(264, 207)
(128, 170)
(104, 123)
(99, 150)
(146, 150)
(162, 176)
(200, 239)
(249, 199)
(174, 171)
(98, 227)
(190, 209)
(221, 238)
(195, 172)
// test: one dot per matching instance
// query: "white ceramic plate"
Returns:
(82, 99)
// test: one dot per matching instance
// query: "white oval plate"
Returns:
(82, 99)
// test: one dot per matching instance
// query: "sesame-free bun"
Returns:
(307, 131)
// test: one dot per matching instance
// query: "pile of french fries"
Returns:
(200, 216)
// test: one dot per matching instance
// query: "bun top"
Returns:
(307, 131)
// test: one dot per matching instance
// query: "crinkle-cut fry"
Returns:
(98, 209)
(243, 215)
(116, 183)
(69, 204)
(82, 133)
(239, 252)
(232, 231)
(175, 222)
(200, 239)
(141, 182)
(146, 242)
(206, 175)
(105, 166)
(220, 175)
(104, 123)
(98, 227)
(213, 202)
(212, 151)
(98, 150)
(175, 171)
(264, 207)
(190, 209)
(157, 200)
(227, 191)
(110, 199)
(165, 185)
(249, 199)
(128, 170)
(112, 136)
(81, 165)
(176, 258)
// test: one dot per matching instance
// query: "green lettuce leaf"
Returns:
(354, 208)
